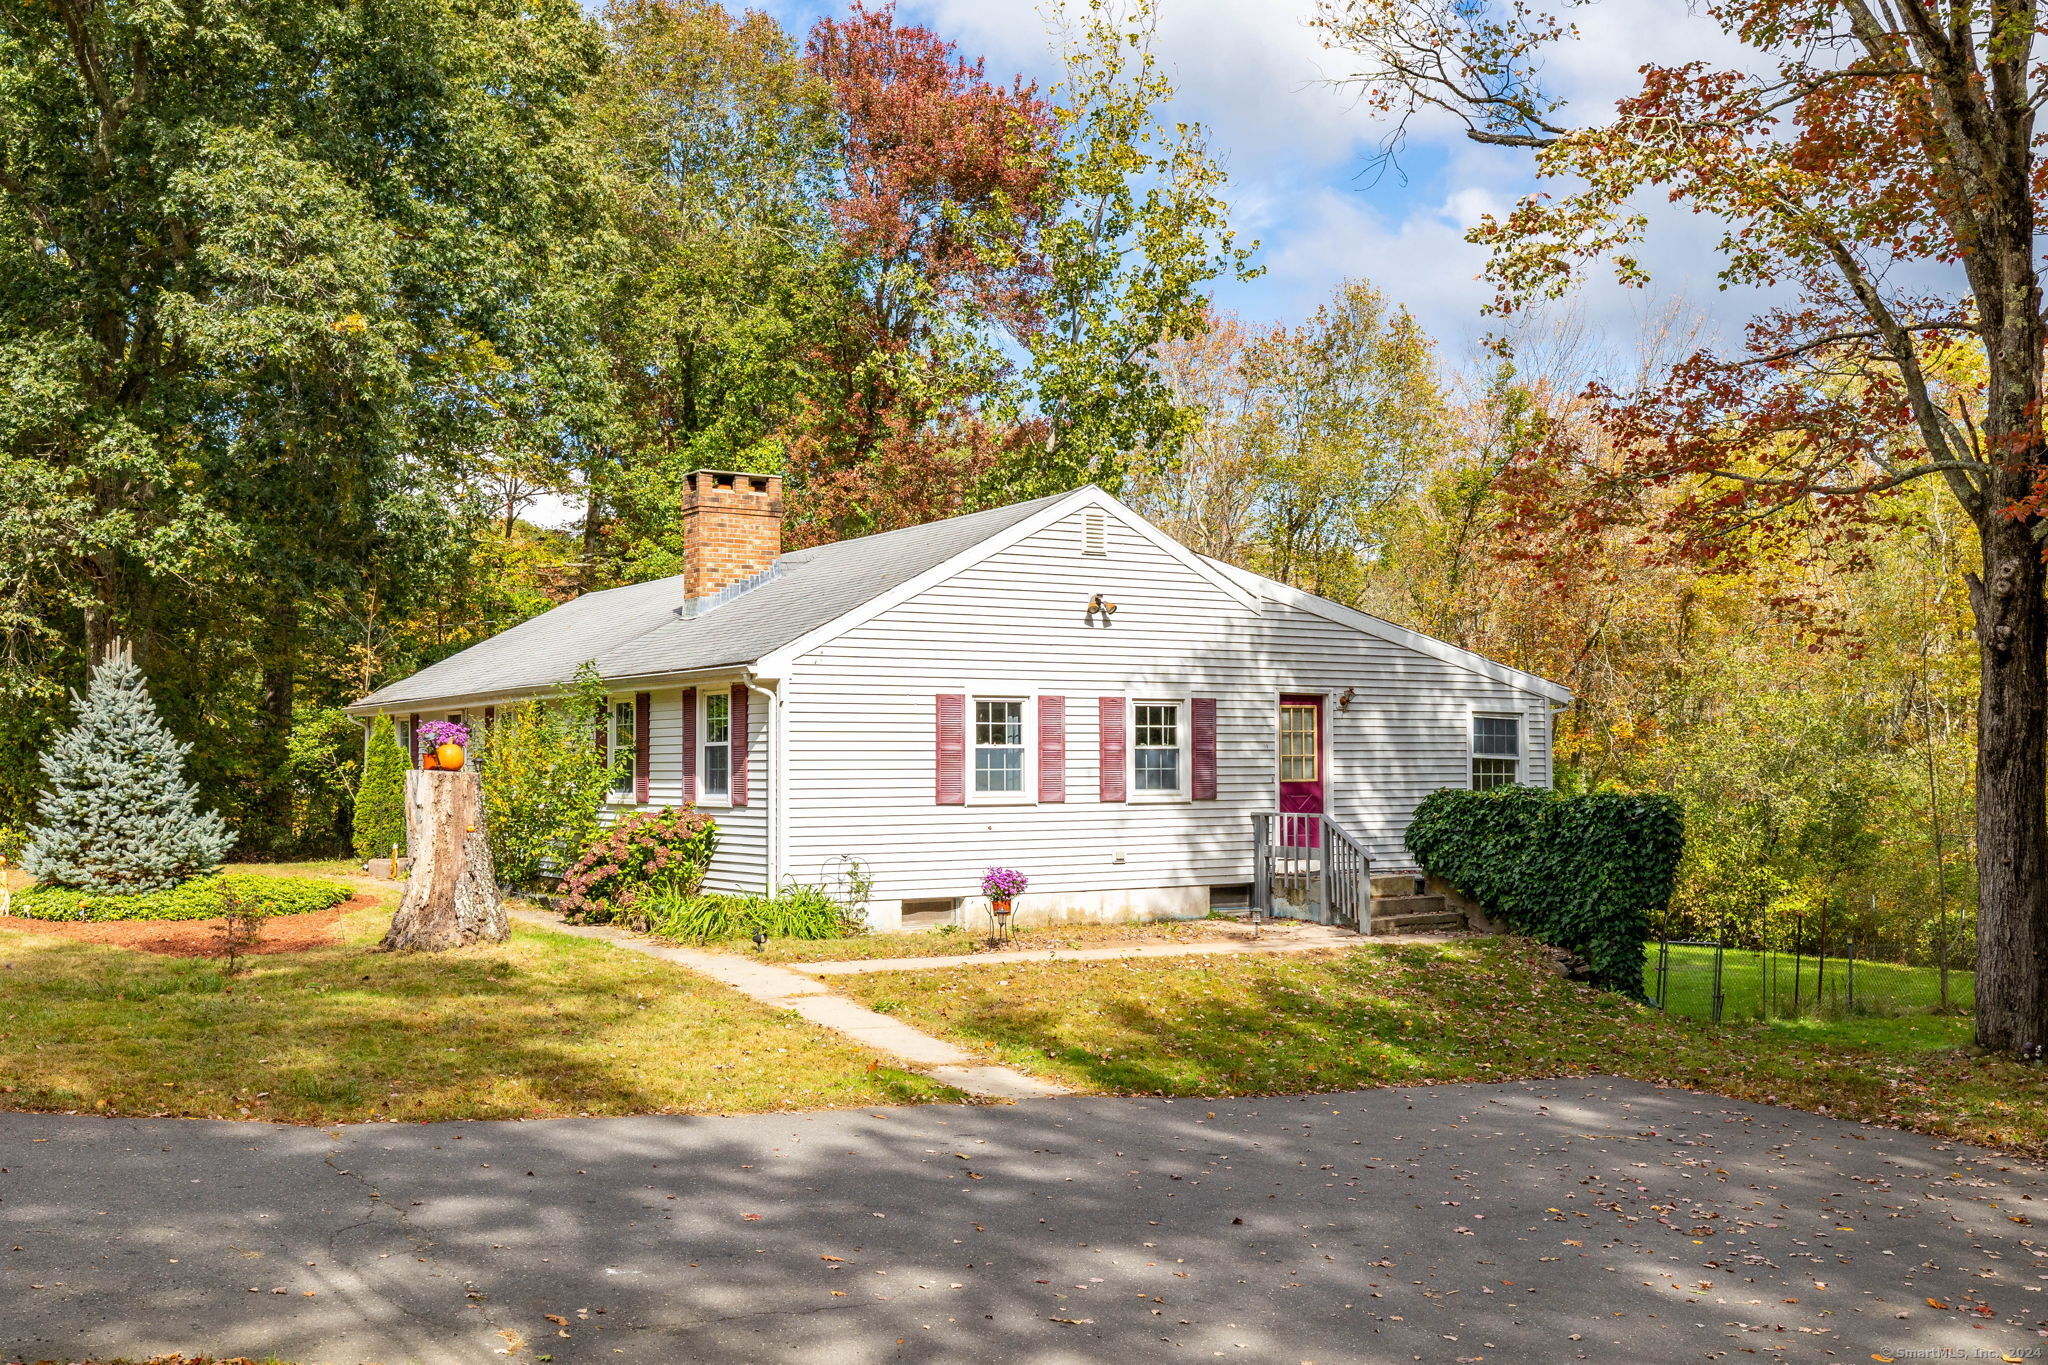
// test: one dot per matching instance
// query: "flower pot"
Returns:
(1001, 905)
(430, 761)
(450, 756)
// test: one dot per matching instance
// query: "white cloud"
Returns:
(1254, 72)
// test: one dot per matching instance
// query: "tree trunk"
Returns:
(2012, 790)
(451, 896)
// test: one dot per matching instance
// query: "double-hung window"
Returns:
(1158, 735)
(1496, 751)
(998, 748)
(622, 747)
(715, 783)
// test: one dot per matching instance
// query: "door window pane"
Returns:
(999, 746)
(1298, 744)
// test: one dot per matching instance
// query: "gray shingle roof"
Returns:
(640, 631)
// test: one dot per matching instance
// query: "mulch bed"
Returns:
(200, 937)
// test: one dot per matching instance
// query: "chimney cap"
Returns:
(727, 478)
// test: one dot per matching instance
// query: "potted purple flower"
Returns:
(445, 741)
(1002, 885)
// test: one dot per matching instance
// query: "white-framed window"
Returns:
(404, 728)
(621, 743)
(1496, 751)
(714, 747)
(1000, 757)
(1159, 739)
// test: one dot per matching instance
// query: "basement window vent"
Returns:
(930, 914)
(1094, 532)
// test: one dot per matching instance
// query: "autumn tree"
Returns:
(941, 195)
(1137, 234)
(1869, 140)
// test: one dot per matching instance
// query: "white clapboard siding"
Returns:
(861, 716)
(741, 863)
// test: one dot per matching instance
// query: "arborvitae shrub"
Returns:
(380, 799)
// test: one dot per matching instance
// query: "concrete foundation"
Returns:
(1068, 907)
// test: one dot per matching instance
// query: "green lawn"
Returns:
(543, 1025)
(952, 942)
(1475, 1010)
(1754, 985)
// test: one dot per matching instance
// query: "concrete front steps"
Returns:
(1402, 905)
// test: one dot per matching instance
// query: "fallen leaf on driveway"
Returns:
(1072, 1322)
(1936, 1303)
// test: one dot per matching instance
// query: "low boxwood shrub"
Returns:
(199, 898)
(1584, 873)
(662, 852)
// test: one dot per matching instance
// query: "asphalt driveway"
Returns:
(1598, 1220)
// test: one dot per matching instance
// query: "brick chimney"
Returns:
(732, 528)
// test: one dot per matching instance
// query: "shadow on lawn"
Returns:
(542, 1025)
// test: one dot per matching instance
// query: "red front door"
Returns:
(1301, 769)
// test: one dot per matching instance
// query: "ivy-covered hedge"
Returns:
(1583, 873)
(199, 898)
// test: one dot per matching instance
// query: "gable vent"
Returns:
(1094, 532)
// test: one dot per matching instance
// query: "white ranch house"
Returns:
(936, 700)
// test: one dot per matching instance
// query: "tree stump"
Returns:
(451, 897)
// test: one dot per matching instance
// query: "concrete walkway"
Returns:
(1307, 938)
(788, 990)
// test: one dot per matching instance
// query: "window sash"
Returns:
(999, 748)
(622, 742)
(1488, 773)
(1497, 736)
(1156, 735)
(715, 768)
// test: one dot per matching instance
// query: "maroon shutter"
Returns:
(412, 731)
(689, 746)
(1052, 748)
(643, 717)
(1203, 784)
(1111, 710)
(952, 749)
(739, 744)
(490, 716)
(602, 731)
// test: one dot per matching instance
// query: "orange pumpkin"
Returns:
(450, 756)
(430, 760)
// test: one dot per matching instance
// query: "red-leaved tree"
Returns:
(942, 195)
(1878, 161)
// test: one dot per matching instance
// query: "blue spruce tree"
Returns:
(119, 815)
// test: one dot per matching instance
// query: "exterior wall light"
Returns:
(1098, 604)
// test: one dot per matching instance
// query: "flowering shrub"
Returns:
(439, 732)
(1003, 883)
(665, 851)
